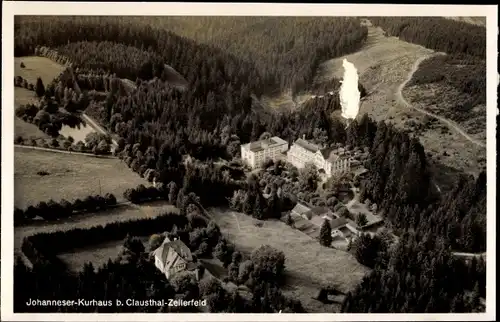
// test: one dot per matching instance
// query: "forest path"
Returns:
(449, 123)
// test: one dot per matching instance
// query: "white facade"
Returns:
(303, 152)
(255, 153)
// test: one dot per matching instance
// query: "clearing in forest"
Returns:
(309, 266)
(35, 67)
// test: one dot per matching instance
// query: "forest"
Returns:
(438, 33)
(160, 124)
(274, 54)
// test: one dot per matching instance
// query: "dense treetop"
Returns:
(440, 34)
(272, 53)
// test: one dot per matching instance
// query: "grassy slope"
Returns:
(70, 177)
(383, 65)
(35, 67)
(309, 265)
(41, 67)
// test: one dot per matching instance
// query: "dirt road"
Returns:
(450, 124)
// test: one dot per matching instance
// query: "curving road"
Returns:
(450, 124)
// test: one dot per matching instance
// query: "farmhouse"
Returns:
(173, 257)
(341, 227)
(331, 161)
(255, 153)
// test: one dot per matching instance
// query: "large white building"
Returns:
(331, 161)
(255, 153)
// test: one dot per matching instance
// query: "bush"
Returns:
(141, 194)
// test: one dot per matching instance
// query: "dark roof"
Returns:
(320, 210)
(307, 145)
(338, 222)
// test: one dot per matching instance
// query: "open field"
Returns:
(309, 265)
(98, 255)
(36, 67)
(70, 177)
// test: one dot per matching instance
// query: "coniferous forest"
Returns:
(156, 124)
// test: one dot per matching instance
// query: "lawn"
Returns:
(309, 265)
(23, 96)
(70, 177)
(36, 67)
(98, 255)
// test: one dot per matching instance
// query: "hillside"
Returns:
(480, 21)
(438, 84)
(285, 50)
(180, 105)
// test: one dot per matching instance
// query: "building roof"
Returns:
(307, 145)
(319, 220)
(178, 246)
(318, 211)
(300, 209)
(260, 145)
(338, 223)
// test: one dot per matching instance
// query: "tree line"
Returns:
(52, 210)
(438, 33)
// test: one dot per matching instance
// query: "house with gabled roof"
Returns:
(173, 257)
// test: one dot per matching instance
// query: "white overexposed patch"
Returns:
(349, 92)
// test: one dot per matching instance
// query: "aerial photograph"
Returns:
(249, 164)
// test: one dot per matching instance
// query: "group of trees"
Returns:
(52, 210)
(252, 202)
(141, 194)
(438, 33)
(286, 50)
(420, 275)
(465, 84)
(21, 82)
(274, 54)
